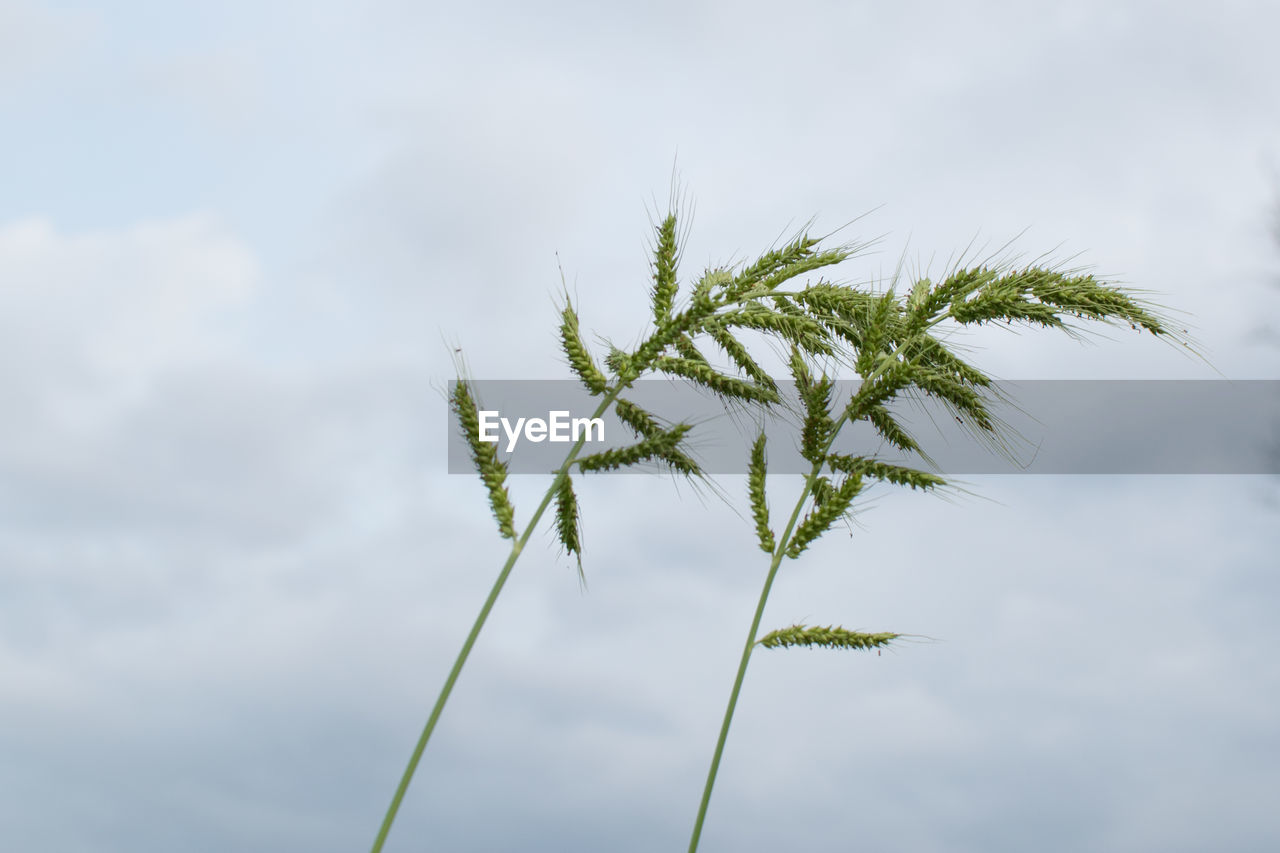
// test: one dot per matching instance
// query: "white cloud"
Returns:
(33, 37)
(87, 317)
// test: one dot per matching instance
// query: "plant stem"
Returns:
(778, 554)
(481, 617)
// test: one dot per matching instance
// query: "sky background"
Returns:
(239, 243)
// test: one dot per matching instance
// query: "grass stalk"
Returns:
(750, 645)
(481, 617)
(775, 563)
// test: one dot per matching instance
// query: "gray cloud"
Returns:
(235, 570)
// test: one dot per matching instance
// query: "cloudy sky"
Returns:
(239, 244)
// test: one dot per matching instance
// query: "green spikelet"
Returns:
(831, 637)
(927, 351)
(568, 524)
(896, 474)
(873, 393)
(878, 334)
(785, 321)
(620, 363)
(576, 351)
(755, 484)
(824, 515)
(890, 430)
(662, 445)
(686, 348)
(641, 422)
(770, 262)
(484, 455)
(815, 394)
(718, 383)
(822, 490)
(959, 395)
(644, 425)
(665, 263)
(741, 358)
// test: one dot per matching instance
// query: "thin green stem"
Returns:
(747, 649)
(746, 658)
(481, 617)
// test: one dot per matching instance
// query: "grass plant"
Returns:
(723, 302)
(897, 344)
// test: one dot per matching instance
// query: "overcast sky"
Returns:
(239, 243)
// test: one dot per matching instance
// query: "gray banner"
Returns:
(1052, 427)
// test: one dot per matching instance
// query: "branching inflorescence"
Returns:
(721, 304)
(889, 340)
(893, 344)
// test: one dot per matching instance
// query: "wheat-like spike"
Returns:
(669, 331)
(1002, 300)
(665, 263)
(718, 383)
(568, 524)
(796, 327)
(1083, 296)
(687, 349)
(919, 295)
(890, 430)
(576, 351)
(681, 463)
(619, 363)
(822, 490)
(645, 425)
(824, 515)
(951, 290)
(755, 487)
(802, 266)
(739, 355)
(874, 393)
(878, 333)
(957, 394)
(896, 474)
(718, 277)
(485, 457)
(662, 445)
(815, 395)
(641, 422)
(768, 263)
(927, 351)
(832, 637)
(830, 301)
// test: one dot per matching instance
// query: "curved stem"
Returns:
(780, 551)
(746, 658)
(476, 626)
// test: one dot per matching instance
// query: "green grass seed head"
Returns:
(831, 637)
(485, 457)
(576, 352)
(756, 488)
